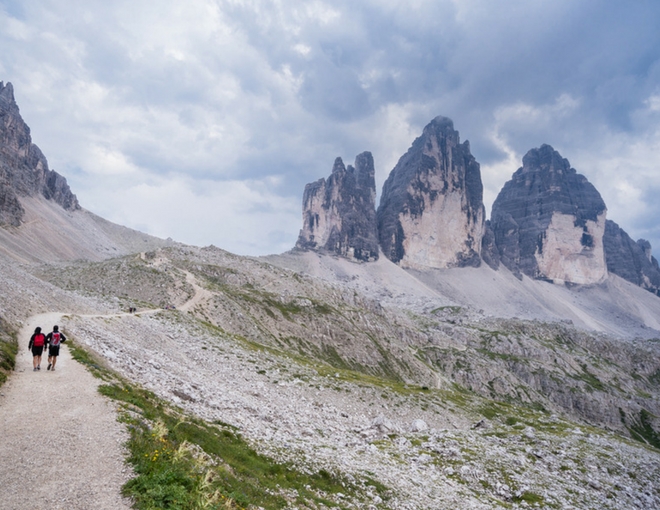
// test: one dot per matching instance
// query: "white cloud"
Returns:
(495, 174)
(653, 103)
(526, 116)
(127, 94)
(244, 217)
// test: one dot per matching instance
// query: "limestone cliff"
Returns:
(339, 215)
(548, 221)
(629, 259)
(431, 213)
(23, 168)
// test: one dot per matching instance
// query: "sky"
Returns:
(202, 120)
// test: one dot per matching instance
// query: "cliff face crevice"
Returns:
(431, 212)
(548, 221)
(339, 214)
(23, 167)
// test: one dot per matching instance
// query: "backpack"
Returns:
(55, 339)
(39, 340)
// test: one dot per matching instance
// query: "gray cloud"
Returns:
(251, 100)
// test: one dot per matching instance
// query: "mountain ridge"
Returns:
(548, 222)
(40, 217)
(443, 388)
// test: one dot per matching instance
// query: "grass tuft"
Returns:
(8, 350)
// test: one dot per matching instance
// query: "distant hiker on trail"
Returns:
(53, 340)
(36, 345)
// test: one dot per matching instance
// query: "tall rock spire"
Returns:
(23, 168)
(339, 214)
(549, 221)
(431, 212)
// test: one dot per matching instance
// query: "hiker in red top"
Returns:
(36, 345)
(53, 340)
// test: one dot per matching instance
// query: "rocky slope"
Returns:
(548, 221)
(339, 215)
(40, 218)
(23, 167)
(441, 404)
(431, 213)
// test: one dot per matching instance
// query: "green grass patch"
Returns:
(451, 309)
(8, 350)
(92, 362)
(642, 430)
(593, 382)
(529, 497)
(186, 463)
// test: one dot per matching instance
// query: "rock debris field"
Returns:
(428, 453)
(433, 449)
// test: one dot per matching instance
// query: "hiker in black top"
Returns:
(53, 340)
(36, 345)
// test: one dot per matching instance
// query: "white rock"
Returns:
(418, 426)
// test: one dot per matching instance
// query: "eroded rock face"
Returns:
(339, 215)
(549, 221)
(631, 260)
(23, 168)
(431, 213)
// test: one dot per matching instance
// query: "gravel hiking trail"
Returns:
(61, 446)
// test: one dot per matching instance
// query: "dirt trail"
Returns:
(198, 297)
(61, 446)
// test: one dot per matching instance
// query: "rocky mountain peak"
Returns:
(338, 166)
(339, 214)
(23, 167)
(545, 158)
(431, 213)
(7, 94)
(548, 221)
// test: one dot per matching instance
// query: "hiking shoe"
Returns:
(49, 365)
(38, 367)
(52, 370)
(34, 369)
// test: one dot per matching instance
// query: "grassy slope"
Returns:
(548, 366)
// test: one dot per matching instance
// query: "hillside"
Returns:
(614, 306)
(50, 234)
(321, 374)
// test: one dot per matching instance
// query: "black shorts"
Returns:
(53, 350)
(37, 351)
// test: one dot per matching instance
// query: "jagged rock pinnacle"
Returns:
(339, 214)
(431, 212)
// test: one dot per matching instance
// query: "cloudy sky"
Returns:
(202, 120)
